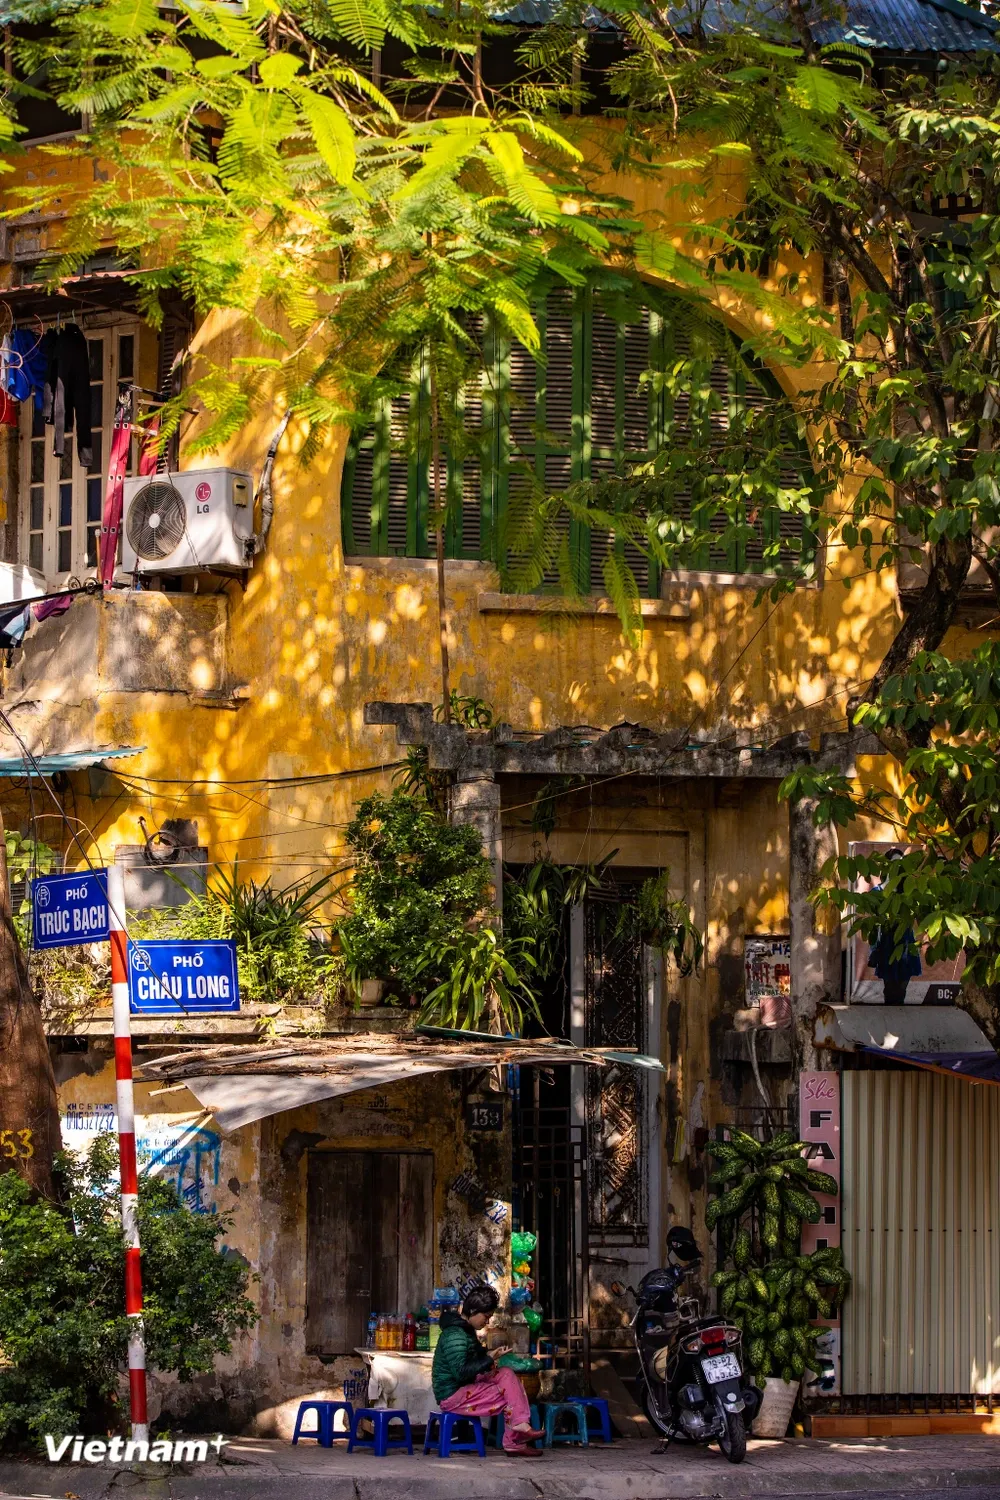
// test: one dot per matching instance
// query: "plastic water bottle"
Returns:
(372, 1330)
(409, 1331)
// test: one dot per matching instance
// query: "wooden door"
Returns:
(370, 1241)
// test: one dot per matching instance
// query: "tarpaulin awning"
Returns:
(939, 1037)
(241, 1084)
(68, 760)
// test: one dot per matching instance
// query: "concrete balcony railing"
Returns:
(126, 643)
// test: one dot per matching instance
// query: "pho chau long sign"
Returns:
(179, 979)
(79, 1449)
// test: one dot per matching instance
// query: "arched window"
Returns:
(584, 413)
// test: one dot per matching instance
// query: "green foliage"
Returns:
(418, 884)
(775, 1308)
(63, 1329)
(664, 923)
(484, 983)
(536, 903)
(945, 891)
(764, 1194)
(420, 918)
(26, 858)
(472, 713)
(344, 234)
(279, 958)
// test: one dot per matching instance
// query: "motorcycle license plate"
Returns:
(721, 1367)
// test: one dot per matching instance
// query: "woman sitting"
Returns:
(466, 1380)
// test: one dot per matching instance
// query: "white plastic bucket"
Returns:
(776, 1409)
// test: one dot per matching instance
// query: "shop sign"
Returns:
(177, 979)
(819, 1124)
(483, 1116)
(69, 909)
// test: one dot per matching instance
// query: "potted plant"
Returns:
(769, 1289)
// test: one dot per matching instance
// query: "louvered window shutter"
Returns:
(584, 412)
(619, 426)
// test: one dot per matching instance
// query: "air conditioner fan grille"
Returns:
(156, 521)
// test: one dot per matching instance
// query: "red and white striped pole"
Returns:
(126, 1150)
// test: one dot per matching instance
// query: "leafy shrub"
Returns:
(485, 987)
(418, 883)
(279, 960)
(63, 1330)
(765, 1193)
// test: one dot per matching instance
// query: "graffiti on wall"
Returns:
(188, 1155)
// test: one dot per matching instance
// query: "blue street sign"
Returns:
(68, 909)
(179, 979)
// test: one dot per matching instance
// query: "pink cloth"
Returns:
(489, 1393)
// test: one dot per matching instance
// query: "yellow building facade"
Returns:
(258, 708)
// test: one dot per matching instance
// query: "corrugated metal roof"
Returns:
(913, 26)
(69, 760)
(910, 26)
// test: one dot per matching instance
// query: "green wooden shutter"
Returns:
(621, 424)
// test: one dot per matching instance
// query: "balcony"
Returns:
(126, 643)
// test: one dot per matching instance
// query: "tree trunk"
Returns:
(982, 1003)
(29, 1110)
(814, 930)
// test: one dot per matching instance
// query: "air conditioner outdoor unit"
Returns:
(185, 523)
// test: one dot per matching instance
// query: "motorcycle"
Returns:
(691, 1367)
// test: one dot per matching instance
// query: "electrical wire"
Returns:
(318, 776)
(28, 758)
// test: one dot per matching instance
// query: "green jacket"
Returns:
(458, 1358)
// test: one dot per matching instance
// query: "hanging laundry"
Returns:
(67, 390)
(14, 622)
(111, 520)
(26, 363)
(57, 604)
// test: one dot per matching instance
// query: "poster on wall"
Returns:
(876, 978)
(767, 966)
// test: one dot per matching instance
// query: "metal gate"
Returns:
(921, 1234)
(616, 1105)
(550, 1189)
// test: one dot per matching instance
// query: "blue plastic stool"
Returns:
(380, 1442)
(444, 1443)
(599, 1406)
(325, 1411)
(497, 1425)
(553, 1411)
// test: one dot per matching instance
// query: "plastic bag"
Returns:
(523, 1244)
(521, 1364)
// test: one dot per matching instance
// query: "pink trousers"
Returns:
(489, 1393)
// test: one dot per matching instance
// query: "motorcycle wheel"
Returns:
(733, 1441)
(663, 1428)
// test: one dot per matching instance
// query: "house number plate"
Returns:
(484, 1116)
